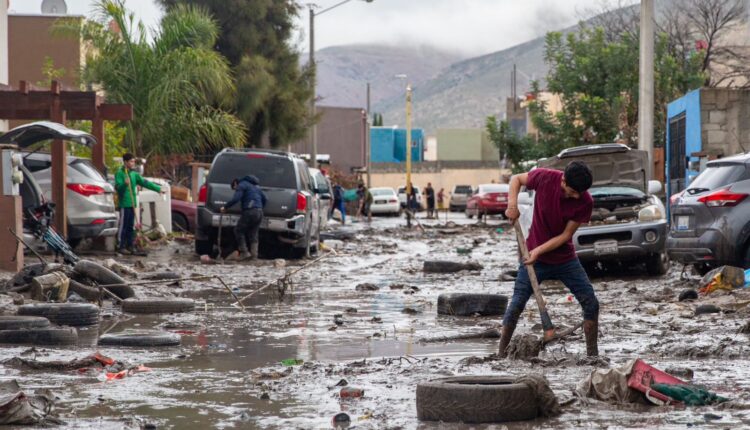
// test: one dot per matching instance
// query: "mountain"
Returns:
(343, 72)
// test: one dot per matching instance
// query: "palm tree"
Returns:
(178, 85)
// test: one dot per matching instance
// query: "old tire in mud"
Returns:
(449, 266)
(475, 399)
(103, 276)
(657, 264)
(161, 276)
(21, 280)
(89, 293)
(144, 338)
(71, 314)
(157, 306)
(40, 336)
(17, 322)
(460, 304)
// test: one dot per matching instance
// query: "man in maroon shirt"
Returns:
(562, 205)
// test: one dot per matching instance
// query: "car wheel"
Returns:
(657, 264)
(180, 223)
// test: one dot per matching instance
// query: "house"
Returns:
(388, 144)
(465, 144)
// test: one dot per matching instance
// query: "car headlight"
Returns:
(651, 213)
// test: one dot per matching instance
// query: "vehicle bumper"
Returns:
(630, 237)
(711, 247)
(388, 208)
(108, 228)
(293, 227)
(493, 208)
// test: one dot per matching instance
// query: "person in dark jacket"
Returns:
(429, 192)
(247, 192)
(338, 202)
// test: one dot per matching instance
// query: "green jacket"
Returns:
(129, 198)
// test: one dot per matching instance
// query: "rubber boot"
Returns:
(254, 251)
(591, 331)
(505, 334)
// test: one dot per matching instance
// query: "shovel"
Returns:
(549, 328)
(220, 257)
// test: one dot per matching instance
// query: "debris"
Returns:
(119, 268)
(681, 372)
(567, 299)
(341, 421)
(722, 278)
(466, 304)
(142, 338)
(265, 396)
(338, 319)
(162, 276)
(93, 360)
(492, 333)
(610, 385)
(279, 263)
(707, 309)
(688, 294)
(376, 320)
(351, 310)
(546, 399)
(745, 329)
(292, 362)
(53, 286)
(367, 287)
(72, 314)
(351, 392)
(411, 311)
(690, 395)
(16, 407)
(463, 251)
(450, 266)
(524, 347)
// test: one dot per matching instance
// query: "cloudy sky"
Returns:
(469, 26)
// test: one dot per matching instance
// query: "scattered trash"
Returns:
(450, 266)
(499, 231)
(50, 287)
(351, 392)
(723, 278)
(707, 309)
(463, 251)
(567, 299)
(688, 294)
(16, 407)
(367, 287)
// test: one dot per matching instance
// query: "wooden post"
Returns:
(11, 253)
(97, 153)
(59, 166)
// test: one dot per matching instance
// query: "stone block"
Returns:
(717, 137)
(704, 116)
(717, 117)
(722, 99)
(709, 126)
(708, 96)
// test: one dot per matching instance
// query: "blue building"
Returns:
(388, 145)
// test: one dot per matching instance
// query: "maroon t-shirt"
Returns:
(552, 211)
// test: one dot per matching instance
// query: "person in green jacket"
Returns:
(127, 182)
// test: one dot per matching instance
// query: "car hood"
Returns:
(29, 134)
(612, 164)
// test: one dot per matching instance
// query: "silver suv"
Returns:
(459, 196)
(90, 198)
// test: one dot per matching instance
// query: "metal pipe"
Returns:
(646, 87)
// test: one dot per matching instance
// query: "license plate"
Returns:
(226, 220)
(501, 199)
(605, 247)
(683, 223)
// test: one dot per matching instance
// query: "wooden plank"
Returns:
(116, 112)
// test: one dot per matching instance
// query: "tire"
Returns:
(475, 399)
(180, 223)
(17, 322)
(161, 276)
(471, 304)
(157, 306)
(144, 338)
(103, 276)
(89, 293)
(71, 314)
(24, 276)
(657, 264)
(40, 336)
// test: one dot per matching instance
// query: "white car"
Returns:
(384, 201)
(402, 196)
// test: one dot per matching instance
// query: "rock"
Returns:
(367, 287)
(279, 263)
(524, 347)
(450, 266)
(707, 309)
(265, 396)
(410, 311)
(376, 320)
(688, 294)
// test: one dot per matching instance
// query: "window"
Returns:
(36, 165)
(87, 168)
(717, 176)
(271, 171)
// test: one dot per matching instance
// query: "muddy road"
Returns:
(228, 372)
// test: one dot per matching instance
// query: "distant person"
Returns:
(365, 201)
(411, 198)
(247, 192)
(441, 199)
(338, 202)
(127, 182)
(429, 192)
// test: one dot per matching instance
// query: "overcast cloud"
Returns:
(469, 26)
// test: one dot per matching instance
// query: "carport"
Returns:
(57, 105)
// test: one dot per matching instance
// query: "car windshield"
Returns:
(494, 188)
(604, 192)
(88, 169)
(272, 171)
(463, 189)
(381, 192)
(716, 176)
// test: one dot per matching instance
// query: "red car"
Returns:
(183, 216)
(489, 199)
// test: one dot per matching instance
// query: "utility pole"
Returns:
(646, 83)
(408, 150)
(314, 128)
(368, 150)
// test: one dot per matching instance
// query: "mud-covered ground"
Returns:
(227, 373)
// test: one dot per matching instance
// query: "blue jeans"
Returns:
(571, 274)
(340, 205)
(125, 233)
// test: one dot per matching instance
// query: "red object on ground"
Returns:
(643, 375)
(104, 359)
(351, 392)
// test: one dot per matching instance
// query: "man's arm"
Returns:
(554, 243)
(147, 184)
(235, 199)
(516, 181)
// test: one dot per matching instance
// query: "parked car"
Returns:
(290, 217)
(183, 216)
(402, 196)
(33, 195)
(90, 198)
(628, 223)
(459, 196)
(489, 199)
(384, 201)
(711, 218)
(324, 194)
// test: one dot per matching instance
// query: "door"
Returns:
(677, 154)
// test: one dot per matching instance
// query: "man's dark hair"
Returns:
(127, 156)
(578, 176)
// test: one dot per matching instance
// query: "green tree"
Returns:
(377, 120)
(511, 146)
(178, 85)
(273, 92)
(596, 77)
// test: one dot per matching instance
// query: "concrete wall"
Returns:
(725, 121)
(341, 134)
(470, 144)
(4, 52)
(430, 149)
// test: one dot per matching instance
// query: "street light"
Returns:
(314, 129)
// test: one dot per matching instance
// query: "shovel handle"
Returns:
(546, 320)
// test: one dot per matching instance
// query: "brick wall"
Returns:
(725, 121)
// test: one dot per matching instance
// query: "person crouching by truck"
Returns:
(247, 192)
(127, 182)
(338, 202)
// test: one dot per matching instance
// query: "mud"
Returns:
(228, 372)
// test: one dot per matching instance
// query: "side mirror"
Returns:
(325, 196)
(524, 199)
(655, 187)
